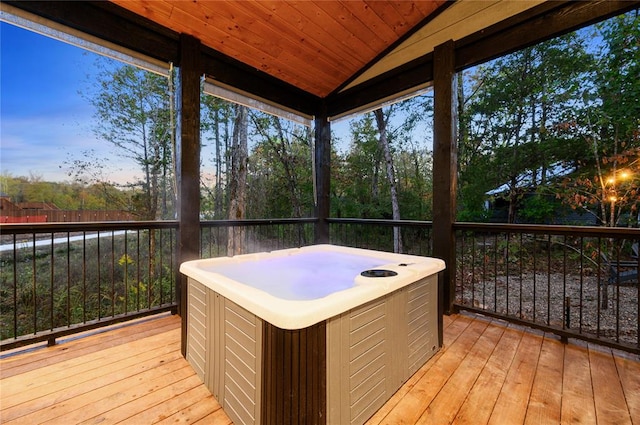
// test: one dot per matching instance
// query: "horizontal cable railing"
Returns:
(62, 278)
(577, 282)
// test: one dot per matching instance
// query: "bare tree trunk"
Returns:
(218, 195)
(238, 182)
(395, 207)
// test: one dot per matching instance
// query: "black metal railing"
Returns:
(63, 278)
(220, 238)
(577, 282)
(415, 236)
(580, 282)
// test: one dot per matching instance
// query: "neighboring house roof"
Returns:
(531, 179)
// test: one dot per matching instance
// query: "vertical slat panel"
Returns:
(294, 393)
(241, 363)
(197, 340)
(335, 363)
(376, 347)
(422, 332)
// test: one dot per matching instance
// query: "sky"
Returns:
(44, 120)
(46, 123)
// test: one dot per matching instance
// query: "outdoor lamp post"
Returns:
(612, 181)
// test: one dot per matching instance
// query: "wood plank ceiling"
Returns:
(315, 46)
(333, 57)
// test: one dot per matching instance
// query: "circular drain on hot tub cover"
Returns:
(378, 273)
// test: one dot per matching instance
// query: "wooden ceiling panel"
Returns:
(307, 32)
(334, 32)
(381, 20)
(315, 46)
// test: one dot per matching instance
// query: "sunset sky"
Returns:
(44, 119)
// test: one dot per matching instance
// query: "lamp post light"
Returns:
(612, 182)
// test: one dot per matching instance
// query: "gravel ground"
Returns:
(612, 311)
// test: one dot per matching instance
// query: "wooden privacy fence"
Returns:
(64, 216)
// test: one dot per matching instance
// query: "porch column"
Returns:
(445, 168)
(187, 165)
(322, 174)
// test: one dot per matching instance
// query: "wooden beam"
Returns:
(406, 77)
(106, 21)
(236, 74)
(322, 174)
(550, 19)
(188, 165)
(445, 169)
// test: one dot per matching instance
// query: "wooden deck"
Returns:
(488, 372)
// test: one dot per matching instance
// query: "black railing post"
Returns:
(188, 166)
(322, 174)
(444, 169)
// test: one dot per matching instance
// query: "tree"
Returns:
(238, 179)
(217, 123)
(133, 112)
(608, 126)
(90, 170)
(513, 102)
(382, 123)
(357, 174)
(282, 166)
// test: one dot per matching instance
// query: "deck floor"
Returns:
(487, 373)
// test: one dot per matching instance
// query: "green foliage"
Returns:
(360, 185)
(608, 127)
(567, 102)
(81, 282)
(538, 209)
(134, 113)
(64, 195)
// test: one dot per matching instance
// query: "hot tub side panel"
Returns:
(373, 349)
(197, 327)
(294, 384)
(422, 323)
(236, 359)
(224, 346)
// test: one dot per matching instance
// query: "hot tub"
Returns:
(316, 335)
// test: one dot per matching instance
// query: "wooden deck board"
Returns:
(511, 405)
(455, 390)
(629, 373)
(545, 401)
(608, 395)
(577, 391)
(487, 372)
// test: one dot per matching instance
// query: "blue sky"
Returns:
(44, 121)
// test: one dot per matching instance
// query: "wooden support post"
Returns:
(187, 166)
(444, 169)
(323, 175)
